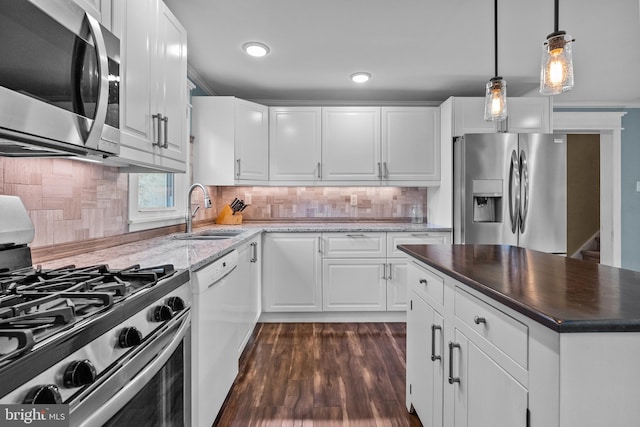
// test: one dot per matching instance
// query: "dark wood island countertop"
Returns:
(564, 294)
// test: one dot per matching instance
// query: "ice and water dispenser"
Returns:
(487, 200)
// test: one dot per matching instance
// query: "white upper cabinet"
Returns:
(351, 144)
(525, 115)
(153, 103)
(410, 144)
(294, 143)
(231, 140)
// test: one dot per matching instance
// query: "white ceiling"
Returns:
(416, 50)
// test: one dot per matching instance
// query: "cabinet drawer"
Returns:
(414, 238)
(354, 245)
(426, 283)
(501, 330)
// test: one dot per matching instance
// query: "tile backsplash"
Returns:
(70, 200)
(281, 203)
(67, 200)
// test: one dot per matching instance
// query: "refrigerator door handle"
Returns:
(524, 180)
(514, 187)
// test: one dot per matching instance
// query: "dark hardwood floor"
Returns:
(321, 375)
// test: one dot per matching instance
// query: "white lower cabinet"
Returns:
(339, 271)
(464, 366)
(292, 272)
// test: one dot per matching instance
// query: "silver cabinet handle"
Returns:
(379, 170)
(452, 345)
(319, 244)
(166, 132)
(423, 281)
(434, 328)
(477, 320)
(390, 269)
(157, 118)
(384, 271)
(420, 235)
(254, 247)
(386, 170)
(356, 235)
(319, 170)
(238, 168)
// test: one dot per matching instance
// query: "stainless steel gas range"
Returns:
(112, 344)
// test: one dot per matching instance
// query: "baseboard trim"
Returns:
(335, 317)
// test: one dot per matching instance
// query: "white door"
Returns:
(172, 88)
(396, 284)
(252, 141)
(410, 144)
(137, 89)
(486, 395)
(425, 363)
(351, 144)
(294, 144)
(354, 284)
(292, 272)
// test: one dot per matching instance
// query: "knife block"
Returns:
(227, 217)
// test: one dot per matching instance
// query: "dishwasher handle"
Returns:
(219, 279)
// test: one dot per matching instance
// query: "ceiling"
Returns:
(416, 50)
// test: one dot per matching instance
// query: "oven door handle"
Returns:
(137, 383)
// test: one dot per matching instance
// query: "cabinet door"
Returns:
(425, 361)
(137, 89)
(171, 65)
(354, 285)
(530, 115)
(248, 291)
(351, 144)
(410, 144)
(292, 272)
(397, 281)
(486, 395)
(294, 143)
(468, 117)
(252, 141)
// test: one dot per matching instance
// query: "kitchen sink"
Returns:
(209, 235)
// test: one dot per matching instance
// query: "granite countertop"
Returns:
(564, 294)
(195, 254)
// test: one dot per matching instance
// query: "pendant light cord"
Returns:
(495, 34)
(556, 14)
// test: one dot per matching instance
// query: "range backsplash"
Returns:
(68, 200)
(281, 203)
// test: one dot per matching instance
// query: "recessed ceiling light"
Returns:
(360, 77)
(256, 49)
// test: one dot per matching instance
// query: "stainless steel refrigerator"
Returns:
(511, 189)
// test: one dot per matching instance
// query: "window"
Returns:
(156, 200)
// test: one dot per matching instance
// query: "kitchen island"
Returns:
(505, 336)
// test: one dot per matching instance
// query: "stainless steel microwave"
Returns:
(59, 81)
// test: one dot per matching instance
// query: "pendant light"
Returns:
(495, 104)
(556, 73)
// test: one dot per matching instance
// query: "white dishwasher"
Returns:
(214, 337)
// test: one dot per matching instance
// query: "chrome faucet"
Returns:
(207, 204)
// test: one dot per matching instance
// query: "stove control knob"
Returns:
(43, 395)
(130, 337)
(176, 303)
(79, 373)
(162, 313)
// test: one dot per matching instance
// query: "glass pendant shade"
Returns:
(556, 73)
(495, 104)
